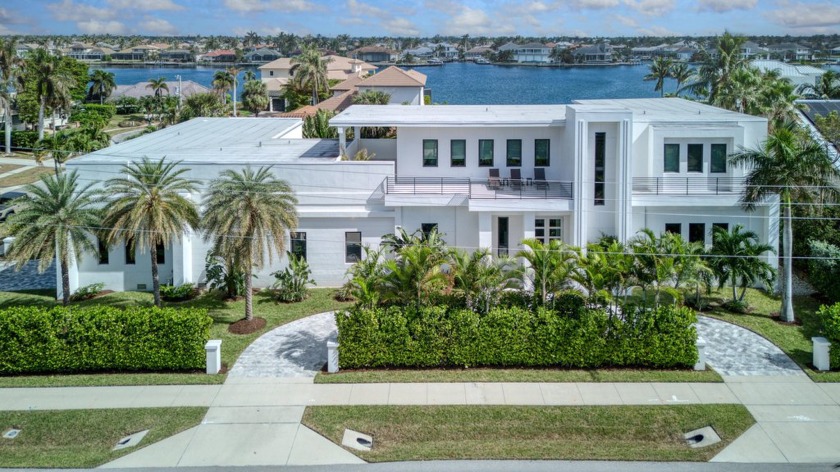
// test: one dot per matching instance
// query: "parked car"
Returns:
(6, 207)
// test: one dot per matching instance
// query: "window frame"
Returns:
(712, 166)
(104, 256)
(544, 227)
(688, 157)
(678, 227)
(463, 161)
(511, 159)
(702, 233)
(427, 161)
(351, 246)
(665, 167)
(537, 161)
(130, 254)
(295, 242)
(492, 157)
(599, 193)
(160, 253)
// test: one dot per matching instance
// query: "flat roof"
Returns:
(219, 141)
(450, 115)
(667, 110)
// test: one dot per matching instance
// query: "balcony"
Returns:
(692, 186)
(503, 189)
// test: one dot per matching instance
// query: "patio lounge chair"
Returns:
(539, 179)
(494, 182)
(515, 179)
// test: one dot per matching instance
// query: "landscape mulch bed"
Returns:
(247, 326)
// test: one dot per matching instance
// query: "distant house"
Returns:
(422, 52)
(375, 54)
(176, 55)
(477, 52)
(444, 50)
(685, 53)
(404, 86)
(220, 55)
(84, 52)
(141, 89)
(528, 53)
(136, 53)
(262, 56)
(751, 50)
(796, 74)
(600, 53)
(790, 51)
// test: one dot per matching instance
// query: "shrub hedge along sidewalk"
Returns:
(580, 337)
(102, 338)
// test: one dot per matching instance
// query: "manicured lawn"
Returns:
(223, 313)
(517, 375)
(651, 433)
(25, 177)
(8, 167)
(84, 438)
(794, 340)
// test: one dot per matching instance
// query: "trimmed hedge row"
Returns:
(439, 337)
(824, 269)
(40, 340)
(829, 316)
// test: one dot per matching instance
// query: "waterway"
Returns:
(464, 83)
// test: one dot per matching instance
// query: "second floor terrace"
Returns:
(493, 188)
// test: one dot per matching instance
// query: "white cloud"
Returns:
(357, 8)
(101, 27)
(721, 6)
(265, 5)
(475, 21)
(66, 10)
(816, 16)
(400, 27)
(591, 4)
(348, 21)
(626, 21)
(145, 5)
(157, 26)
(654, 30)
(651, 7)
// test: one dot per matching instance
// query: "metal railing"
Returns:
(496, 189)
(688, 185)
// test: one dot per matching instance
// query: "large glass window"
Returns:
(673, 228)
(427, 229)
(600, 168)
(298, 244)
(718, 158)
(485, 153)
(352, 247)
(546, 229)
(103, 252)
(697, 232)
(672, 158)
(458, 152)
(514, 152)
(129, 253)
(430, 153)
(160, 254)
(541, 152)
(695, 158)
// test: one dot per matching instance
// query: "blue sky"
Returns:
(421, 18)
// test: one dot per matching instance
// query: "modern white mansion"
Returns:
(592, 168)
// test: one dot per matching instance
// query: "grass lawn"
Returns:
(517, 375)
(794, 340)
(25, 177)
(650, 433)
(223, 313)
(84, 438)
(8, 167)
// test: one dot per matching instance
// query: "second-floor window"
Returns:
(541, 152)
(352, 247)
(695, 158)
(430, 153)
(103, 252)
(600, 168)
(160, 254)
(514, 152)
(298, 244)
(458, 152)
(672, 158)
(485, 153)
(718, 164)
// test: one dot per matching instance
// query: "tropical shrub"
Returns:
(291, 282)
(224, 275)
(87, 292)
(824, 269)
(829, 317)
(59, 339)
(24, 139)
(179, 293)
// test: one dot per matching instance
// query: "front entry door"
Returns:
(503, 236)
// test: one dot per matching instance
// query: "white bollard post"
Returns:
(332, 357)
(7, 243)
(701, 355)
(213, 348)
(821, 347)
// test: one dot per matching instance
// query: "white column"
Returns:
(771, 229)
(72, 271)
(182, 269)
(342, 142)
(581, 156)
(485, 230)
(821, 358)
(529, 231)
(624, 190)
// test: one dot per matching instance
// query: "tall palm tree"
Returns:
(246, 216)
(714, 75)
(736, 258)
(222, 82)
(102, 84)
(310, 71)
(234, 72)
(255, 96)
(796, 168)
(51, 82)
(54, 220)
(147, 209)
(251, 38)
(550, 266)
(480, 278)
(249, 75)
(826, 88)
(660, 69)
(158, 86)
(372, 97)
(11, 68)
(682, 73)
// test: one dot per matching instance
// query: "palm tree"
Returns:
(318, 125)
(102, 84)
(255, 96)
(826, 88)
(736, 257)
(251, 38)
(480, 279)
(54, 220)
(249, 75)
(550, 267)
(222, 82)
(416, 275)
(660, 69)
(714, 75)
(11, 67)
(234, 72)
(682, 73)
(158, 86)
(789, 164)
(372, 97)
(147, 208)
(51, 82)
(310, 71)
(246, 216)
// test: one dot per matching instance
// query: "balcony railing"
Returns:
(479, 188)
(688, 185)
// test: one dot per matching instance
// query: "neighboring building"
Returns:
(529, 53)
(751, 50)
(375, 54)
(797, 74)
(685, 54)
(87, 53)
(136, 53)
(406, 87)
(262, 56)
(176, 55)
(791, 52)
(220, 55)
(612, 167)
(477, 52)
(422, 52)
(444, 50)
(601, 53)
(141, 89)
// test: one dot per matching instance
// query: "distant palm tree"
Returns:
(249, 75)
(234, 72)
(251, 38)
(146, 208)
(102, 84)
(660, 69)
(11, 68)
(55, 219)
(826, 88)
(796, 168)
(255, 96)
(682, 73)
(222, 82)
(310, 71)
(51, 82)
(714, 76)
(246, 216)
(372, 97)
(158, 86)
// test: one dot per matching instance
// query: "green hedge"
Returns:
(830, 322)
(824, 269)
(24, 139)
(439, 337)
(41, 340)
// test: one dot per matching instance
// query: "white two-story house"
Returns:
(487, 176)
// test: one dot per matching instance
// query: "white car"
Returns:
(6, 207)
